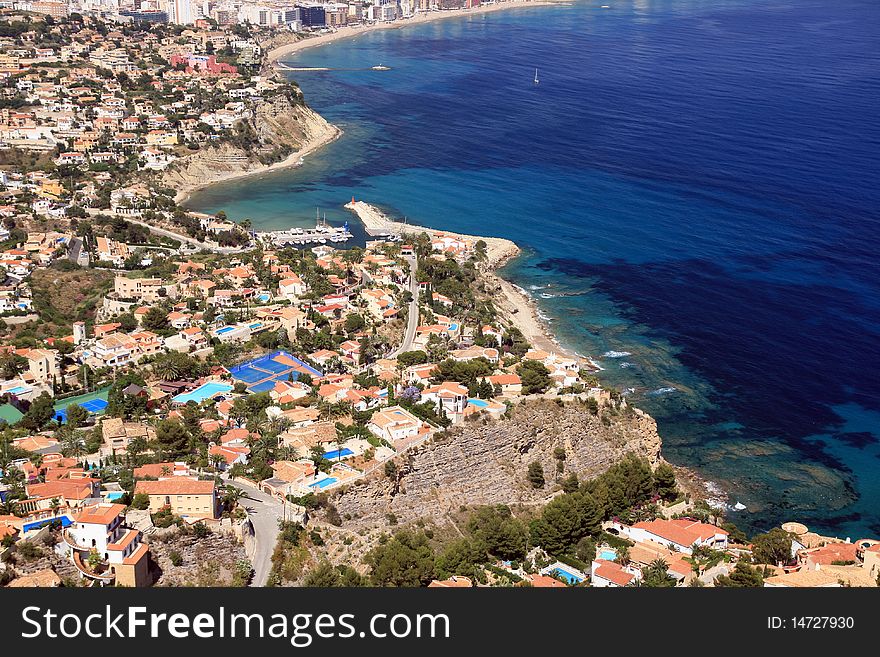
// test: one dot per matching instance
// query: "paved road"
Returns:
(264, 511)
(186, 239)
(412, 320)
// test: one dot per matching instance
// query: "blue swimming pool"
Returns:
(453, 327)
(264, 297)
(18, 390)
(225, 329)
(479, 403)
(338, 453)
(570, 578)
(65, 522)
(329, 481)
(114, 495)
(607, 554)
(203, 392)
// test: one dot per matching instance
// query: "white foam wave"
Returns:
(663, 391)
(616, 354)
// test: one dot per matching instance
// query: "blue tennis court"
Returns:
(95, 405)
(272, 366)
(264, 386)
(261, 373)
(248, 374)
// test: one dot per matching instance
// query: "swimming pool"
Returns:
(65, 522)
(114, 495)
(337, 453)
(329, 481)
(203, 392)
(264, 297)
(608, 554)
(571, 578)
(225, 329)
(453, 327)
(479, 403)
(17, 390)
(255, 326)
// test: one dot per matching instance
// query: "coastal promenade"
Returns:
(277, 53)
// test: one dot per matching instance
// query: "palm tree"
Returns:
(72, 444)
(166, 369)
(232, 495)
(54, 505)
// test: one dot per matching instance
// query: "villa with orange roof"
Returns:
(122, 556)
(611, 574)
(680, 534)
(188, 498)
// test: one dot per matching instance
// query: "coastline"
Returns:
(324, 137)
(419, 19)
(333, 132)
(519, 308)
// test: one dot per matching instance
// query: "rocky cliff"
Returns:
(486, 462)
(284, 129)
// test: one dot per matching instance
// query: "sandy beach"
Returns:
(348, 32)
(324, 137)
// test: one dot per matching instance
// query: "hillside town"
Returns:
(181, 400)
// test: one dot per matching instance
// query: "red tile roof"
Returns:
(175, 486)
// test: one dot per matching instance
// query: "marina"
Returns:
(322, 233)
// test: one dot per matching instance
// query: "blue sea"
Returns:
(696, 185)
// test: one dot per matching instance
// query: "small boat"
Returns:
(380, 67)
(739, 506)
(536, 76)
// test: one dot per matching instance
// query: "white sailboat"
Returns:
(536, 76)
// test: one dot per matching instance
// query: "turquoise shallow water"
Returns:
(695, 188)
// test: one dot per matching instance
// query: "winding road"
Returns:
(264, 512)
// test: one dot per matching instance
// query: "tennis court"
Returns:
(248, 374)
(94, 402)
(263, 386)
(260, 374)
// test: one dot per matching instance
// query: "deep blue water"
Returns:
(696, 187)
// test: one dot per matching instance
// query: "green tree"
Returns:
(156, 320)
(141, 501)
(743, 576)
(41, 411)
(535, 377)
(566, 520)
(327, 575)
(460, 557)
(664, 481)
(502, 535)
(404, 560)
(773, 548)
(76, 416)
(535, 474)
(173, 438)
(354, 322)
(409, 358)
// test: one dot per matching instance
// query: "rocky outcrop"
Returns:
(284, 129)
(486, 462)
(218, 559)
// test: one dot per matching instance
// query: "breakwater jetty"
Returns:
(376, 223)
